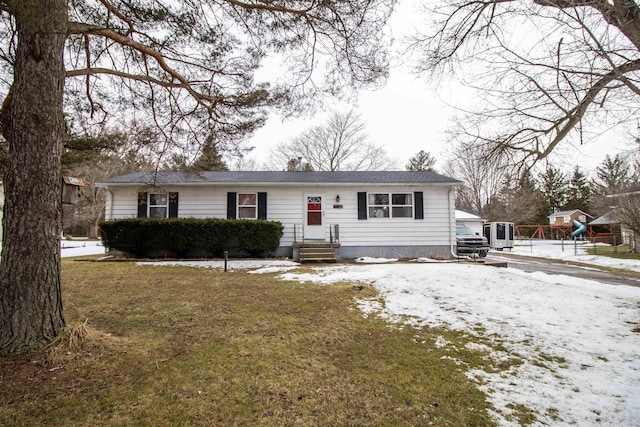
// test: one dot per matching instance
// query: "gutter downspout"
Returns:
(452, 252)
(110, 195)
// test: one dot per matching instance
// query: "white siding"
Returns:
(286, 205)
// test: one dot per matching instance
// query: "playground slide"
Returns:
(581, 228)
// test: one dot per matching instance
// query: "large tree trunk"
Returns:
(30, 301)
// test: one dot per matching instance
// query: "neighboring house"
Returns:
(565, 218)
(474, 222)
(611, 222)
(613, 217)
(380, 214)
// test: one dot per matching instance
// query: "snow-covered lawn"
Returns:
(570, 251)
(71, 248)
(578, 340)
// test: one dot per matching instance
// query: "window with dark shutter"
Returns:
(173, 205)
(362, 205)
(419, 206)
(231, 205)
(262, 206)
(142, 205)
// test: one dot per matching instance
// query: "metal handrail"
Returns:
(334, 233)
(298, 229)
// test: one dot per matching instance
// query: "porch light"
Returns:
(338, 198)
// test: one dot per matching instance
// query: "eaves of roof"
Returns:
(271, 177)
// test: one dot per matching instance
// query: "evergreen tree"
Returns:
(524, 202)
(209, 159)
(185, 66)
(554, 189)
(613, 175)
(422, 161)
(579, 191)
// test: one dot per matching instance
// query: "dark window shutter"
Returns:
(231, 205)
(262, 205)
(173, 205)
(142, 205)
(418, 205)
(362, 205)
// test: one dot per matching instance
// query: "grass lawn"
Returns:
(177, 346)
(620, 251)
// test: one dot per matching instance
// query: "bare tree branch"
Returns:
(537, 94)
(341, 144)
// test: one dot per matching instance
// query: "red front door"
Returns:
(314, 228)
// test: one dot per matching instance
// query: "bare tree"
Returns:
(187, 67)
(547, 72)
(628, 212)
(482, 179)
(341, 144)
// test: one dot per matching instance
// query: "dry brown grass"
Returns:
(180, 346)
(80, 340)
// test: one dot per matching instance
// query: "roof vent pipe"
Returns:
(300, 169)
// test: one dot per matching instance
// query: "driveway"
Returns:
(550, 266)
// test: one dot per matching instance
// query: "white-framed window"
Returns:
(158, 205)
(390, 205)
(402, 205)
(247, 206)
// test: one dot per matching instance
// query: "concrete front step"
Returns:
(317, 252)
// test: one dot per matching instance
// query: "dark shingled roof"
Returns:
(373, 177)
(610, 218)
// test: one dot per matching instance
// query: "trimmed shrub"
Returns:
(191, 237)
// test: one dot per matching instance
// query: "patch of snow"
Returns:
(568, 250)
(73, 248)
(428, 260)
(371, 260)
(576, 339)
(231, 265)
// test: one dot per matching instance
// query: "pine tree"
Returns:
(579, 191)
(523, 202)
(553, 185)
(422, 161)
(209, 159)
(613, 175)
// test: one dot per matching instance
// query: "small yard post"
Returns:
(226, 258)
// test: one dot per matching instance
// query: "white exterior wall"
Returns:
(287, 205)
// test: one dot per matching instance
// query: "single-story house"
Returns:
(566, 217)
(404, 214)
(472, 221)
(627, 235)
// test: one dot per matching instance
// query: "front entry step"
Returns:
(317, 252)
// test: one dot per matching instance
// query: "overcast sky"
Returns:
(409, 115)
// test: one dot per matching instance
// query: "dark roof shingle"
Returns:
(359, 177)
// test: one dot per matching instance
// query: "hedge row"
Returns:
(191, 238)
